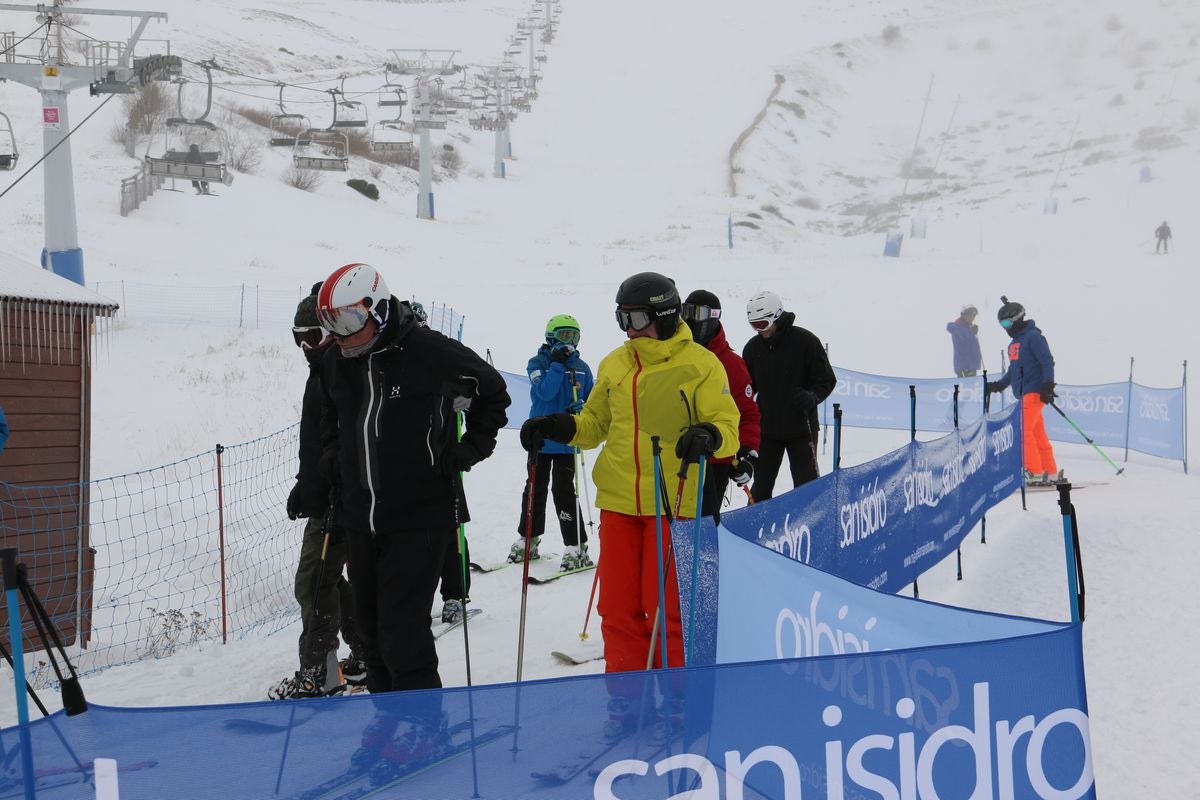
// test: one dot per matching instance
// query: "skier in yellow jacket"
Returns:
(658, 383)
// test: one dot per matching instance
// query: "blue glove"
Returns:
(575, 406)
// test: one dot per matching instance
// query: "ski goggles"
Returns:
(566, 336)
(344, 320)
(634, 318)
(1007, 323)
(696, 312)
(308, 338)
(761, 324)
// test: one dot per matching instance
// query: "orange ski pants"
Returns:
(1039, 455)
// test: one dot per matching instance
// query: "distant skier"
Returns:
(964, 334)
(1163, 234)
(1031, 375)
(194, 156)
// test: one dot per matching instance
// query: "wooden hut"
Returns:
(48, 326)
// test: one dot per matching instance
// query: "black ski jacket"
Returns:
(792, 359)
(310, 495)
(388, 424)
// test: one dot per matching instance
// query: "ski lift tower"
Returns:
(425, 65)
(109, 68)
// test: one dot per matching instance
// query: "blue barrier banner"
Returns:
(883, 523)
(518, 390)
(1155, 418)
(877, 401)
(966, 704)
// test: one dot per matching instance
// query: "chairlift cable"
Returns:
(59, 142)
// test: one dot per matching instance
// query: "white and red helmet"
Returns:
(349, 297)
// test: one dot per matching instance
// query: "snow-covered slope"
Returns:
(624, 166)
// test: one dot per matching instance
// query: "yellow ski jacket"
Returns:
(649, 388)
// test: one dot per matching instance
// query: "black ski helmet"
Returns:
(698, 312)
(1010, 311)
(656, 292)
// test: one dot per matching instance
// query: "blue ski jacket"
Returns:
(550, 388)
(967, 355)
(1030, 365)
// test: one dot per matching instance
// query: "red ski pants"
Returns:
(629, 593)
(1039, 455)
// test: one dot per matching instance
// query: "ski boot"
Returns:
(516, 553)
(307, 682)
(452, 611)
(375, 737)
(415, 742)
(575, 558)
(1036, 478)
(354, 670)
(1053, 479)
(670, 722)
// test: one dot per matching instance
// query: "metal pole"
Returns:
(425, 165)
(221, 545)
(913, 158)
(912, 412)
(837, 436)
(1064, 505)
(1128, 408)
(1185, 424)
(1063, 160)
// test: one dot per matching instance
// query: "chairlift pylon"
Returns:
(8, 144)
(285, 127)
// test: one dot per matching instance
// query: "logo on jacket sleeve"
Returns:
(749, 391)
(395, 393)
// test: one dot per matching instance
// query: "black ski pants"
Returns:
(561, 468)
(452, 570)
(332, 598)
(394, 576)
(802, 459)
(716, 481)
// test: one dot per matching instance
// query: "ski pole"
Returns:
(462, 563)
(695, 559)
(583, 635)
(659, 496)
(531, 482)
(1086, 438)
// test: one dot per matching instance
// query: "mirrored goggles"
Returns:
(566, 336)
(634, 318)
(1006, 323)
(344, 320)
(761, 324)
(308, 338)
(698, 313)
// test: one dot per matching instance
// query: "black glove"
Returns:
(561, 353)
(805, 399)
(1047, 394)
(974, 329)
(992, 387)
(557, 427)
(461, 457)
(702, 439)
(328, 467)
(743, 471)
(293, 502)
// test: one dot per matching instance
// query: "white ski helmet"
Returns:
(349, 297)
(764, 307)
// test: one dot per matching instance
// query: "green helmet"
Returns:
(563, 322)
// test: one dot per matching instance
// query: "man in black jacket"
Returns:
(331, 597)
(388, 422)
(791, 375)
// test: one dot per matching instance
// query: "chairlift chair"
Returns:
(391, 136)
(391, 94)
(353, 114)
(8, 144)
(285, 127)
(322, 149)
(193, 147)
